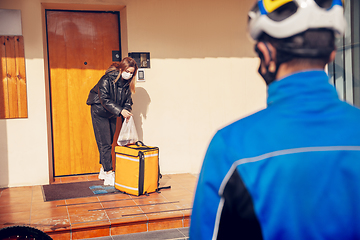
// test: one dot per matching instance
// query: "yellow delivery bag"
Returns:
(137, 169)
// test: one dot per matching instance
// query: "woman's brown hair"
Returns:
(122, 66)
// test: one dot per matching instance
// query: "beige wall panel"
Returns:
(189, 29)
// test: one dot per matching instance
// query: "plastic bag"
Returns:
(128, 134)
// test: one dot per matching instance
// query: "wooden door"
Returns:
(80, 46)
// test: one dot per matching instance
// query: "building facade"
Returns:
(202, 75)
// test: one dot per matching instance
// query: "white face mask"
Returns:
(126, 75)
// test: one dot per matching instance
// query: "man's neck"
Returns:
(286, 69)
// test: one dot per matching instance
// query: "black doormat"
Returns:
(64, 191)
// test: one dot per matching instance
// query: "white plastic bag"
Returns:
(128, 134)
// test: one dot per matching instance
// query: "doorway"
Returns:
(81, 46)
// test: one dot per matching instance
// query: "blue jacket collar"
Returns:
(303, 86)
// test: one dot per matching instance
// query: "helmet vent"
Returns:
(283, 12)
(324, 3)
(255, 10)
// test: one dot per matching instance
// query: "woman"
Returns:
(110, 98)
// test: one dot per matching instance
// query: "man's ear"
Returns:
(268, 56)
(332, 56)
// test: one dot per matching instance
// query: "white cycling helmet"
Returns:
(286, 18)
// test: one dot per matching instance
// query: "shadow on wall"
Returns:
(4, 165)
(141, 101)
(174, 29)
(192, 29)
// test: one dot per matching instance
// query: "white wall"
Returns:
(203, 76)
(187, 107)
(13, 22)
(24, 148)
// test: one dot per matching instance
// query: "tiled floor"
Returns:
(100, 216)
(168, 234)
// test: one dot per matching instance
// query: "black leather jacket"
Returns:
(109, 98)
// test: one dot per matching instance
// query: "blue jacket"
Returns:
(290, 171)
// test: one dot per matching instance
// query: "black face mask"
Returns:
(269, 77)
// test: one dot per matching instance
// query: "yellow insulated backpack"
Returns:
(137, 169)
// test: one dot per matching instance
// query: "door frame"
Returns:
(121, 9)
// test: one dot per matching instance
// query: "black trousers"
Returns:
(104, 129)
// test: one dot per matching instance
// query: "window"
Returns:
(345, 70)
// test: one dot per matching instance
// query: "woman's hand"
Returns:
(126, 114)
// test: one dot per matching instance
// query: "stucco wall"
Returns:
(203, 76)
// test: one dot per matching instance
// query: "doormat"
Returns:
(62, 191)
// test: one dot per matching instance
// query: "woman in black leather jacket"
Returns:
(110, 98)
